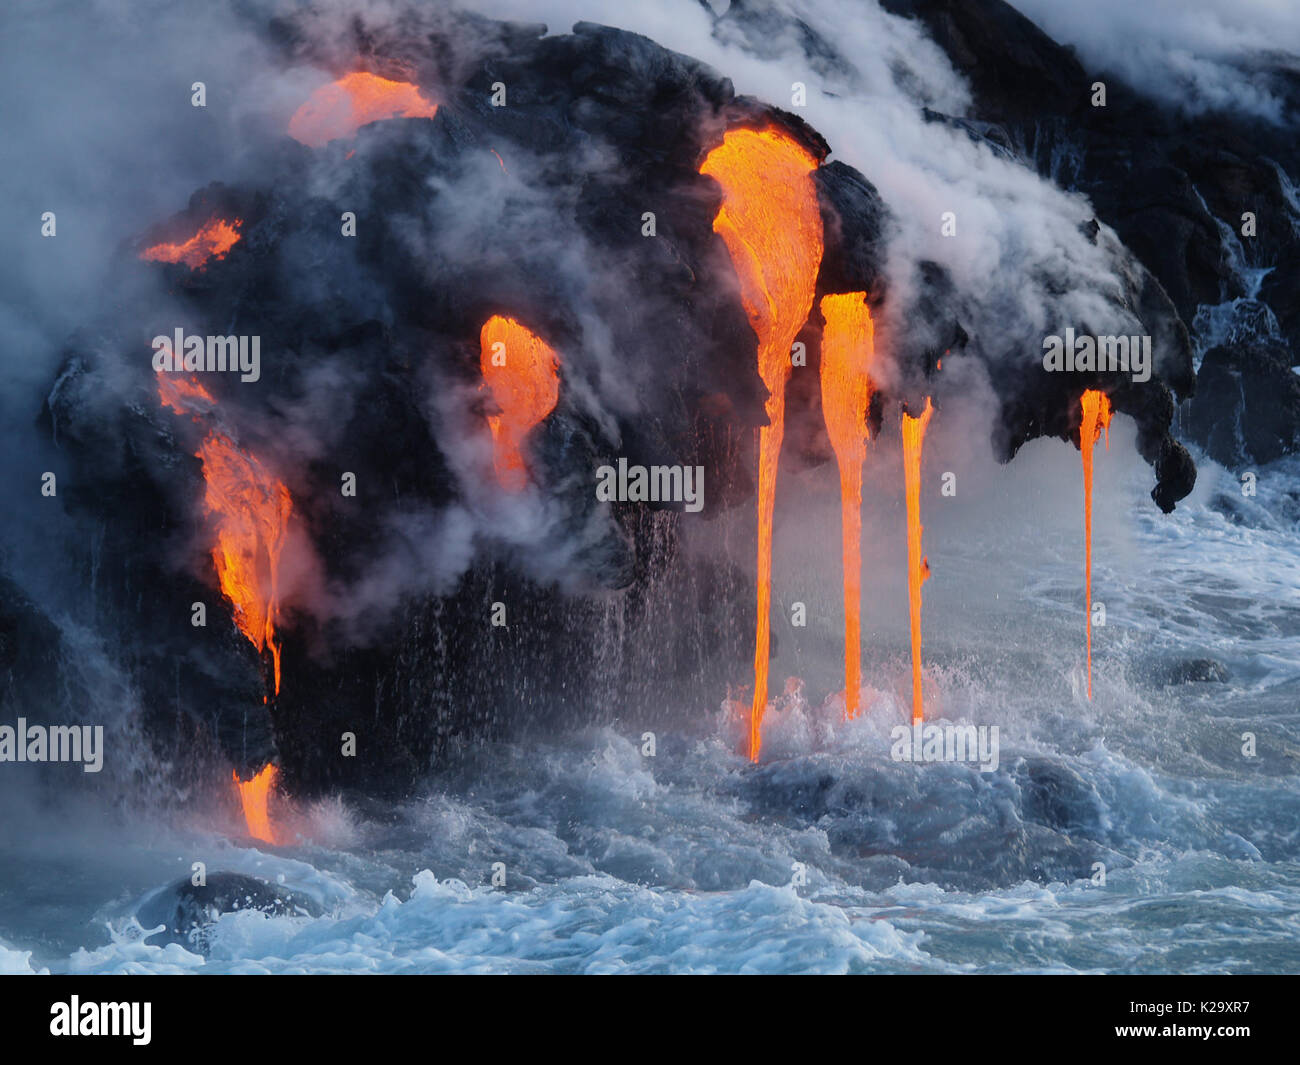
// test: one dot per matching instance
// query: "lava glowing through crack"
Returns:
(342, 107)
(918, 566)
(848, 348)
(1096, 419)
(212, 241)
(771, 224)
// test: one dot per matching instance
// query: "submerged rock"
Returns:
(1190, 671)
(1056, 796)
(187, 913)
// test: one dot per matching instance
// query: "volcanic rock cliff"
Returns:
(370, 346)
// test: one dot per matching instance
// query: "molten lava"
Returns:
(521, 371)
(342, 107)
(848, 348)
(184, 395)
(252, 509)
(918, 566)
(1096, 419)
(213, 240)
(253, 796)
(772, 227)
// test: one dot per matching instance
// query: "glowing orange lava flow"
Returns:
(770, 222)
(521, 371)
(342, 107)
(213, 240)
(848, 347)
(1096, 418)
(918, 566)
(253, 796)
(252, 509)
(184, 395)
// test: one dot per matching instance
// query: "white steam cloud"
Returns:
(1198, 55)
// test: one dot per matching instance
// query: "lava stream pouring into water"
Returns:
(252, 508)
(342, 107)
(521, 371)
(253, 799)
(848, 348)
(772, 227)
(918, 566)
(1096, 419)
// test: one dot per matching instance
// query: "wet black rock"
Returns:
(1189, 671)
(1056, 796)
(185, 913)
(1247, 405)
(30, 654)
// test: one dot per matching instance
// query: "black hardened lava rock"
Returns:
(370, 367)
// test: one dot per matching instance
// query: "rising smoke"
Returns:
(1195, 55)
